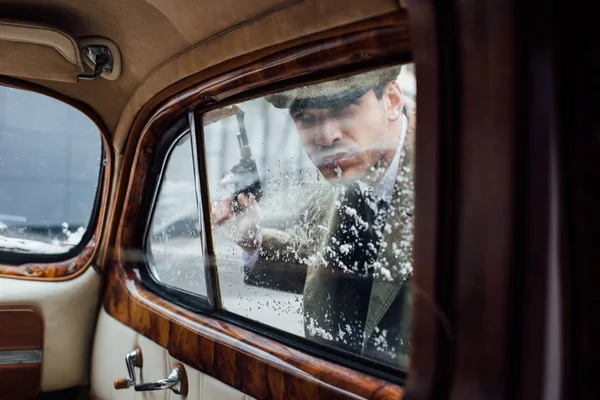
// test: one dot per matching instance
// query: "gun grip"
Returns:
(253, 191)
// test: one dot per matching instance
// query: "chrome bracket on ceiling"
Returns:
(102, 59)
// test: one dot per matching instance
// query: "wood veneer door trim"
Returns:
(258, 366)
(253, 364)
(21, 381)
(21, 329)
(75, 266)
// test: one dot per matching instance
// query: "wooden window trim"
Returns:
(258, 366)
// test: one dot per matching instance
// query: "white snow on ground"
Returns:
(30, 246)
(73, 238)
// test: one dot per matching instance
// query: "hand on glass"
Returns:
(245, 224)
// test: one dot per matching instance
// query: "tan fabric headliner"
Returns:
(17, 58)
(159, 39)
(41, 35)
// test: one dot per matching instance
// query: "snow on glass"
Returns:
(293, 229)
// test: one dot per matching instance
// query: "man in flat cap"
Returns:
(355, 238)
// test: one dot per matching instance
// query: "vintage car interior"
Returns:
(122, 121)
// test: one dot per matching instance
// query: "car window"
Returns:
(174, 245)
(50, 164)
(311, 211)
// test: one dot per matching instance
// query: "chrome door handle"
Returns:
(132, 359)
(176, 381)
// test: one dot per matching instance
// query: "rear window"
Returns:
(50, 162)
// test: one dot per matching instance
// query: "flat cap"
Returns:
(334, 94)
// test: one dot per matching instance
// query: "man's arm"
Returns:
(272, 258)
(280, 262)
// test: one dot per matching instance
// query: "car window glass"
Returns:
(50, 162)
(319, 244)
(174, 246)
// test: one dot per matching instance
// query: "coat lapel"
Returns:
(394, 265)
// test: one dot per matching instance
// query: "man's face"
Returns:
(348, 142)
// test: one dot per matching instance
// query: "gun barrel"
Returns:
(243, 136)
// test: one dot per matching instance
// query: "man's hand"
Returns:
(245, 223)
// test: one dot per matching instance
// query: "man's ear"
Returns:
(393, 100)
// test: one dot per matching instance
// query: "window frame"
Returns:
(164, 150)
(212, 306)
(246, 360)
(14, 259)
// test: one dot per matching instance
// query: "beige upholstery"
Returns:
(42, 35)
(69, 309)
(212, 18)
(26, 60)
(33, 50)
(114, 339)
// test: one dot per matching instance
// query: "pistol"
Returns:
(244, 175)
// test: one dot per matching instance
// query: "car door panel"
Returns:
(249, 362)
(68, 309)
(61, 157)
(114, 339)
